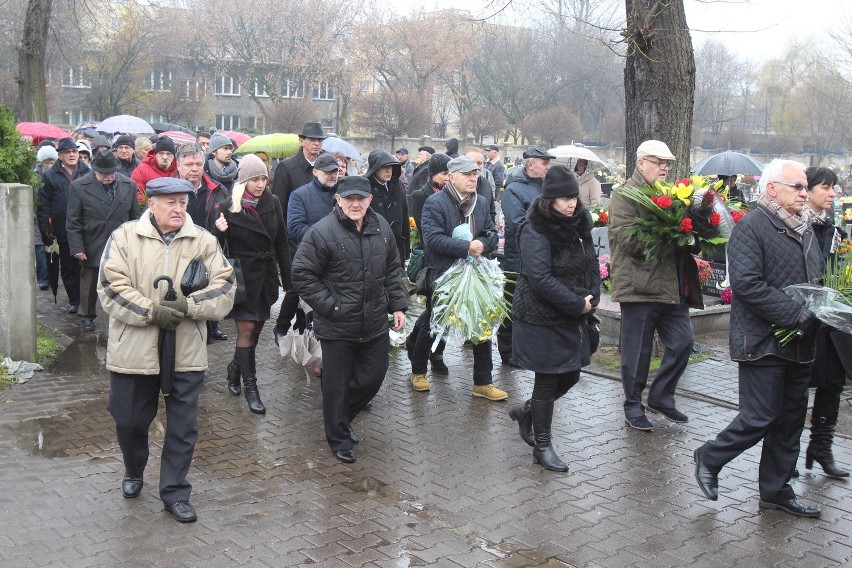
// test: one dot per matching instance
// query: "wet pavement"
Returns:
(442, 478)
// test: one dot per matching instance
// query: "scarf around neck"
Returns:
(225, 175)
(249, 202)
(797, 223)
(822, 219)
(464, 205)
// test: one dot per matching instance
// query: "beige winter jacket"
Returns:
(134, 256)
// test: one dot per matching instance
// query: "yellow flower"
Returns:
(684, 193)
(698, 182)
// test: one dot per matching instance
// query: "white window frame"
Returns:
(194, 89)
(75, 77)
(228, 121)
(323, 91)
(160, 81)
(233, 86)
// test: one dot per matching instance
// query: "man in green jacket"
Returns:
(653, 298)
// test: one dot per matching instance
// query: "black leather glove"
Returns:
(808, 323)
(179, 304)
(165, 317)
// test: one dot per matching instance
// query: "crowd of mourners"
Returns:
(171, 240)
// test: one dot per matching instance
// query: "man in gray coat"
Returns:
(98, 203)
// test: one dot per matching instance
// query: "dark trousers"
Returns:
(773, 405)
(553, 386)
(69, 269)
(289, 306)
(352, 373)
(482, 363)
(41, 264)
(88, 292)
(133, 403)
(638, 322)
(504, 332)
(829, 376)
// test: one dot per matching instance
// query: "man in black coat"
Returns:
(53, 211)
(389, 201)
(347, 269)
(771, 248)
(293, 173)
(125, 152)
(98, 203)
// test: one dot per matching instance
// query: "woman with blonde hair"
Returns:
(251, 224)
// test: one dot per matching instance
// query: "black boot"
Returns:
(542, 416)
(521, 414)
(234, 377)
(245, 358)
(819, 448)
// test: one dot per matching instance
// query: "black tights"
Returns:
(549, 386)
(248, 332)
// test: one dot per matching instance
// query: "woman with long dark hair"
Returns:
(252, 224)
(557, 289)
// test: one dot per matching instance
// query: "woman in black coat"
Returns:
(252, 224)
(834, 348)
(557, 290)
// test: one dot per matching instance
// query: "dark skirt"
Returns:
(241, 313)
(550, 349)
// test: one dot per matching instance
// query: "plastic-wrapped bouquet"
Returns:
(468, 302)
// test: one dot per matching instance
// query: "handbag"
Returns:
(594, 332)
(415, 265)
(195, 278)
(425, 281)
(241, 294)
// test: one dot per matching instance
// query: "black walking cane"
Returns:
(166, 345)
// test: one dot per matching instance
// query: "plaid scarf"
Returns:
(798, 223)
(249, 202)
(820, 219)
(464, 205)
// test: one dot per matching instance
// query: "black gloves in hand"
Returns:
(807, 323)
(179, 304)
(165, 317)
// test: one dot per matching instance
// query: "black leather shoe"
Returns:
(131, 486)
(353, 436)
(708, 481)
(639, 423)
(438, 366)
(43, 286)
(72, 309)
(218, 334)
(795, 473)
(346, 456)
(672, 414)
(87, 325)
(792, 506)
(182, 511)
(510, 362)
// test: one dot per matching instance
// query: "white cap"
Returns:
(654, 149)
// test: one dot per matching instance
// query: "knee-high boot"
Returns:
(234, 386)
(542, 416)
(522, 414)
(819, 448)
(245, 358)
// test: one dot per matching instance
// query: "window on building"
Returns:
(365, 86)
(160, 81)
(75, 77)
(323, 91)
(260, 89)
(228, 85)
(152, 118)
(77, 116)
(293, 88)
(227, 122)
(251, 122)
(193, 90)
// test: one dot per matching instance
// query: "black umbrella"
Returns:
(52, 252)
(166, 344)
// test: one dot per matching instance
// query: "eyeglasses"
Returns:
(796, 186)
(661, 165)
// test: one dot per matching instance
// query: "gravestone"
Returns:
(709, 288)
(600, 240)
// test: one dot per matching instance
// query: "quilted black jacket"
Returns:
(765, 256)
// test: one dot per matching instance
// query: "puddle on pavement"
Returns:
(88, 429)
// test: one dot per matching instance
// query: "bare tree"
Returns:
(718, 72)
(390, 112)
(482, 122)
(32, 102)
(553, 126)
(289, 115)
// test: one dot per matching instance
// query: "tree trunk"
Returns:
(32, 92)
(659, 79)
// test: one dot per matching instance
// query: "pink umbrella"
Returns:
(237, 137)
(178, 137)
(41, 130)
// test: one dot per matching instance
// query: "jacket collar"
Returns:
(145, 228)
(371, 221)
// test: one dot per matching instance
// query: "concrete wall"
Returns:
(17, 273)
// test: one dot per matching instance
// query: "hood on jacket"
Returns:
(151, 160)
(379, 158)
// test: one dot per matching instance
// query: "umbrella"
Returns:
(38, 131)
(335, 144)
(178, 137)
(276, 145)
(303, 347)
(52, 252)
(166, 346)
(161, 127)
(125, 124)
(237, 137)
(728, 164)
(573, 153)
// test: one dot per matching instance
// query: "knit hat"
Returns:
(219, 140)
(559, 181)
(47, 153)
(438, 163)
(124, 140)
(165, 144)
(250, 167)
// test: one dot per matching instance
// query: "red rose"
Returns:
(603, 217)
(686, 225)
(664, 202)
(715, 219)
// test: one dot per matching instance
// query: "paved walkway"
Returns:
(441, 479)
